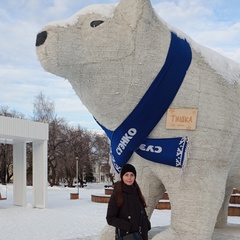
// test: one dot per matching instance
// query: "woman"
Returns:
(126, 207)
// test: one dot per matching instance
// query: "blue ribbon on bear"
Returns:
(131, 135)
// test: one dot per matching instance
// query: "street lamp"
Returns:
(99, 172)
(76, 195)
(77, 175)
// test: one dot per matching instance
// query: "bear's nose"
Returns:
(41, 38)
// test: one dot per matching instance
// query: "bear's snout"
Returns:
(41, 38)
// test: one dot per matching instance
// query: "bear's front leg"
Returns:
(107, 233)
(196, 197)
(232, 182)
(151, 187)
(223, 213)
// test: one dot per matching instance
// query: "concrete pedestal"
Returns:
(74, 196)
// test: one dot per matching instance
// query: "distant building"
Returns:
(100, 172)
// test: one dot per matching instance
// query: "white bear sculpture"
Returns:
(111, 54)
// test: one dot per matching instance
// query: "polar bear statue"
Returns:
(112, 55)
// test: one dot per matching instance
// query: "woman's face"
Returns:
(128, 178)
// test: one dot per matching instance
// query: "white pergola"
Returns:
(18, 132)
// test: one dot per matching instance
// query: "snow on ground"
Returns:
(63, 219)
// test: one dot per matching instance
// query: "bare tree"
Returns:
(101, 146)
(43, 109)
(79, 146)
(7, 112)
(56, 145)
(6, 157)
(100, 152)
(66, 145)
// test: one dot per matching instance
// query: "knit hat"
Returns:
(128, 168)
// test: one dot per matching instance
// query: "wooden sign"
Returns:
(181, 118)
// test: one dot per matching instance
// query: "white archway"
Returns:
(18, 132)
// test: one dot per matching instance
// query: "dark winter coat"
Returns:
(127, 217)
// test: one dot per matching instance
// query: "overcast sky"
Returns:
(213, 23)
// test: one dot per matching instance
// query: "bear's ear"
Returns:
(133, 10)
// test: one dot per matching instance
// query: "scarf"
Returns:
(131, 135)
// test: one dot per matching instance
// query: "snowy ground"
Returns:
(66, 219)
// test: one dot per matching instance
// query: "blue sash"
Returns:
(131, 135)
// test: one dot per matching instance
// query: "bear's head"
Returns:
(109, 53)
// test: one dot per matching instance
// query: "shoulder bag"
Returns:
(130, 236)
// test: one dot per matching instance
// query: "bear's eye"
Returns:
(96, 23)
